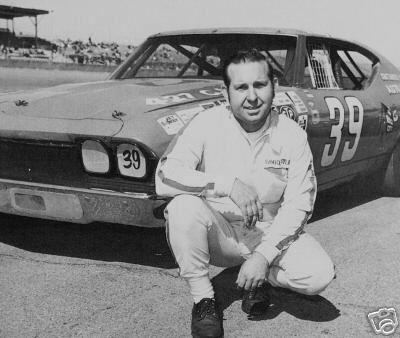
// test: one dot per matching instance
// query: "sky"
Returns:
(375, 23)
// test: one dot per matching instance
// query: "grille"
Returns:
(60, 164)
(122, 185)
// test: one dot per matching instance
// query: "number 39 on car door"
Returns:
(342, 124)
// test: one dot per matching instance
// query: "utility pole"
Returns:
(36, 29)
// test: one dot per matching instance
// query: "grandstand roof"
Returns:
(11, 12)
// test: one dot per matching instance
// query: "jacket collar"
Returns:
(268, 127)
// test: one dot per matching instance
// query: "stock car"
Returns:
(88, 152)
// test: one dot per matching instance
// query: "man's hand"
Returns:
(253, 272)
(247, 200)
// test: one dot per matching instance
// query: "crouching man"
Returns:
(243, 183)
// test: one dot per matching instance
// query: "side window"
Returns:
(334, 64)
(355, 69)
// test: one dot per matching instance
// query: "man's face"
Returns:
(250, 93)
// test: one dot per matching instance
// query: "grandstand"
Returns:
(30, 48)
(7, 36)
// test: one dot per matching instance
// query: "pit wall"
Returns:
(45, 64)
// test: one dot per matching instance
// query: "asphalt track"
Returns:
(105, 280)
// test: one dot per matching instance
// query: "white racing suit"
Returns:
(204, 225)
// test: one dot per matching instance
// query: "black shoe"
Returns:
(206, 319)
(256, 301)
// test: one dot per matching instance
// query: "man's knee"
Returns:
(319, 279)
(184, 210)
(309, 269)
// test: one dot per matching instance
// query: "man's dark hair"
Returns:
(243, 56)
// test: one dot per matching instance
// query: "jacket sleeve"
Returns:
(298, 203)
(179, 169)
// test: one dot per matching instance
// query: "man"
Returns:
(244, 187)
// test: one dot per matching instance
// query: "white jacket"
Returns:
(213, 150)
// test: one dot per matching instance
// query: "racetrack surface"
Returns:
(106, 280)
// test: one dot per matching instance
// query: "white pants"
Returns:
(199, 235)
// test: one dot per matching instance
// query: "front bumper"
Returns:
(79, 205)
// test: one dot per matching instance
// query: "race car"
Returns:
(88, 152)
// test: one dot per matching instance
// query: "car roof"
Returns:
(239, 30)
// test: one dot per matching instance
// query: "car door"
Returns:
(345, 109)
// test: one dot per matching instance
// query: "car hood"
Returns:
(97, 108)
(145, 111)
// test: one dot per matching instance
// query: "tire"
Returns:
(391, 181)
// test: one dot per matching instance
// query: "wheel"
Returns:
(391, 181)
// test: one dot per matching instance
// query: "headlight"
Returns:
(95, 158)
(131, 161)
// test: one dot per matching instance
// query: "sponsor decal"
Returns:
(288, 111)
(390, 77)
(171, 124)
(298, 103)
(277, 163)
(182, 97)
(391, 116)
(302, 121)
(169, 99)
(209, 105)
(393, 89)
(187, 114)
(281, 99)
(211, 92)
(289, 104)
(174, 122)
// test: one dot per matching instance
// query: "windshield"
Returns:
(202, 55)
